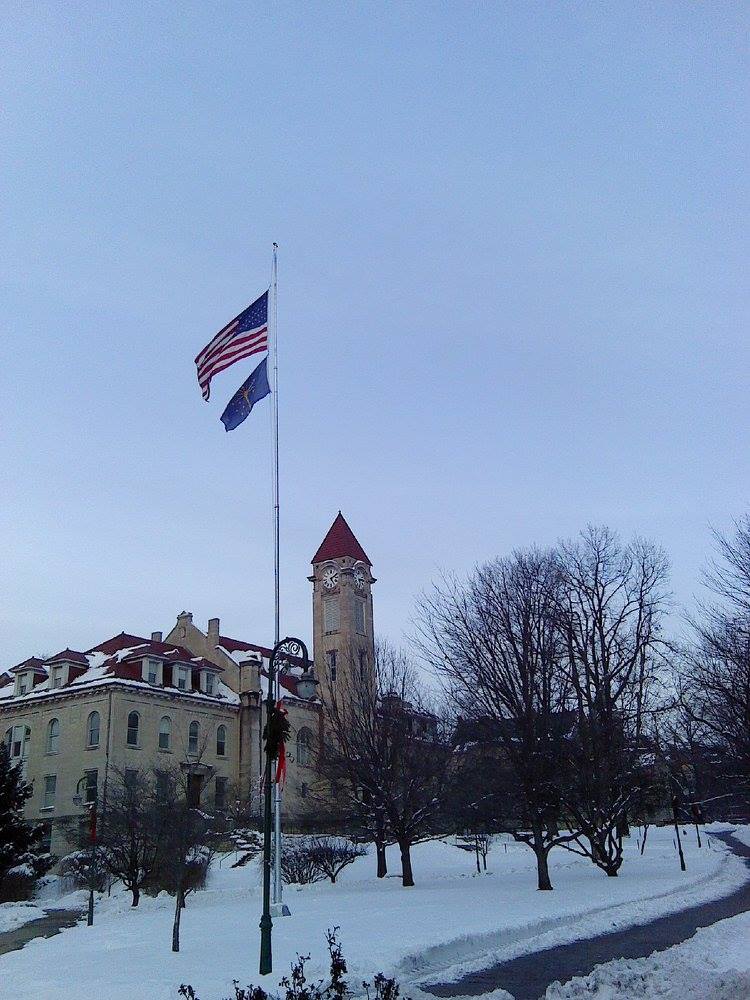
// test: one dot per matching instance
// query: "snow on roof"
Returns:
(117, 660)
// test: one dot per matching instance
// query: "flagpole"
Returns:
(277, 882)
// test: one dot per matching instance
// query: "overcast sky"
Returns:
(513, 295)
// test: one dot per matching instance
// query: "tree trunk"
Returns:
(407, 878)
(380, 853)
(476, 853)
(136, 895)
(542, 852)
(176, 924)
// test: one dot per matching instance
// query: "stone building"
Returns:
(192, 700)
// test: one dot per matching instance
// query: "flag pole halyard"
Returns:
(277, 880)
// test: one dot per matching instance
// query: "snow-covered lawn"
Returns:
(713, 965)
(450, 921)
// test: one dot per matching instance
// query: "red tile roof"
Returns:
(238, 646)
(33, 663)
(340, 541)
(68, 656)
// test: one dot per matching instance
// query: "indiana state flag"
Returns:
(248, 394)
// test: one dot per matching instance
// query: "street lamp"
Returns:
(288, 647)
(78, 800)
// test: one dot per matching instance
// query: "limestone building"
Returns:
(191, 699)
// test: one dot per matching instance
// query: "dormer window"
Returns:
(152, 671)
(182, 678)
(23, 683)
(210, 683)
(57, 679)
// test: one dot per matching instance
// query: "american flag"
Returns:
(247, 334)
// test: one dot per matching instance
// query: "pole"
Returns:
(92, 836)
(277, 883)
(266, 924)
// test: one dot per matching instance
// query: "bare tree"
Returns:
(133, 829)
(385, 751)
(614, 599)
(495, 641)
(715, 674)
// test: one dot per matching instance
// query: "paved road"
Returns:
(47, 926)
(528, 976)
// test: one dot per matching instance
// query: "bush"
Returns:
(300, 861)
(297, 987)
(306, 859)
(78, 867)
(333, 854)
(19, 883)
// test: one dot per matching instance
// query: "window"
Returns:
(17, 743)
(45, 844)
(331, 658)
(210, 682)
(92, 785)
(182, 678)
(23, 683)
(331, 618)
(133, 724)
(153, 672)
(193, 734)
(53, 736)
(165, 733)
(194, 789)
(92, 730)
(57, 677)
(304, 745)
(359, 615)
(221, 741)
(50, 785)
(220, 795)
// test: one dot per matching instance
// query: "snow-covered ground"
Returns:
(451, 921)
(713, 965)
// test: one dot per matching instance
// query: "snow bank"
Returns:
(714, 965)
(14, 915)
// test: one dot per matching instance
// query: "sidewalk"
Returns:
(528, 976)
(47, 926)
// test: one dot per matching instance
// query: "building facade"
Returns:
(193, 699)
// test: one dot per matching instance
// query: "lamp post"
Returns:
(78, 800)
(288, 647)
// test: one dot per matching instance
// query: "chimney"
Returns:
(250, 675)
(213, 632)
(184, 619)
(156, 637)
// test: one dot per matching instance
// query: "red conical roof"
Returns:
(340, 541)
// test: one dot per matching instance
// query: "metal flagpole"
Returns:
(277, 883)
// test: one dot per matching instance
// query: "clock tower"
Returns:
(343, 635)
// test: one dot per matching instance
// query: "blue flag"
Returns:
(248, 394)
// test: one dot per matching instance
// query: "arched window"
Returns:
(53, 736)
(165, 733)
(134, 721)
(221, 741)
(193, 734)
(304, 746)
(92, 730)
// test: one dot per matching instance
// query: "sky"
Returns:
(513, 296)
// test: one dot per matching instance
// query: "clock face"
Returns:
(330, 577)
(360, 578)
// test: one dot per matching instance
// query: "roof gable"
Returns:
(340, 541)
